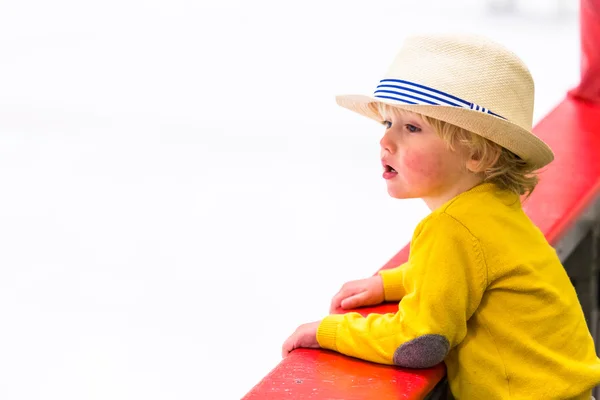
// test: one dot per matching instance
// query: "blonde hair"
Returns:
(497, 164)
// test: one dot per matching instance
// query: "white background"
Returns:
(179, 190)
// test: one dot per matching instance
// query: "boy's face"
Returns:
(419, 164)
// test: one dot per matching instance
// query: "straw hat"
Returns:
(467, 81)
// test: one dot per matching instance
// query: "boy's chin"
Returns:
(398, 193)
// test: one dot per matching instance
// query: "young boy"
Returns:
(482, 291)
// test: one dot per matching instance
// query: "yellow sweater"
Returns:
(484, 292)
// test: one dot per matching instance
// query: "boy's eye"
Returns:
(387, 124)
(412, 128)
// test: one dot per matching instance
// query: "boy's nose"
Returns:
(387, 144)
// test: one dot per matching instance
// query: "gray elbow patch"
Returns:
(422, 352)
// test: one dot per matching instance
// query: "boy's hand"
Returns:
(363, 292)
(304, 336)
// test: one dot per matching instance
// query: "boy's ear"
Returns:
(474, 165)
(478, 163)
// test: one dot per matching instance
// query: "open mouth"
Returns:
(388, 171)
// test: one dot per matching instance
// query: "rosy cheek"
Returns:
(419, 165)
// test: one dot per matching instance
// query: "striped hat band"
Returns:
(414, 93)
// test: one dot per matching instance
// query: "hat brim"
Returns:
(508, 135)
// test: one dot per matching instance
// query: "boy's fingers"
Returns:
(344, 293)
(355, 301)
(337, 300)
(286, 348)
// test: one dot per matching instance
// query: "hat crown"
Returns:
(472, 68)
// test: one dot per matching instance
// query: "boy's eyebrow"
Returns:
(406, 116)
(417, 121)
(413, 119)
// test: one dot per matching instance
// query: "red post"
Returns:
(589, 86)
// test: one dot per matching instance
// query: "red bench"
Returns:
(564, 206)
(321, 374)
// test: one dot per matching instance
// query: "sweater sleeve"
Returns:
(393, 285)
(443, 285)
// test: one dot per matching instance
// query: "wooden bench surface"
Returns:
(567, 187)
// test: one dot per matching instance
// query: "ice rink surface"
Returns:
(179, 189)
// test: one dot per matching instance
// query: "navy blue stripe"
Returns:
(422, 93)
(471, 106)
(406, 95)
(499, 116)
(393, 98)
(428, 88)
